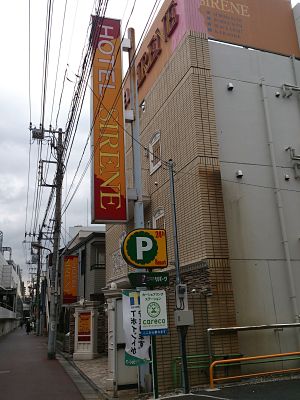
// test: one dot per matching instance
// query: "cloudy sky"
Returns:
(16, 113)
(20, 104)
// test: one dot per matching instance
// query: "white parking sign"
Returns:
(154, 320)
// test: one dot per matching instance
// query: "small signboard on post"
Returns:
(137, 346)
(149, 279)
(84, 327)
(146, 248)
(154, 320)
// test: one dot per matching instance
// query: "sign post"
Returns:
(154, 320)
(147, 248)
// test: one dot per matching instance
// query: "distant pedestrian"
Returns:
(28, 327)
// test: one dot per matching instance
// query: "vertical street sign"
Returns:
(70, 282)
(137, 346)
(109, 203)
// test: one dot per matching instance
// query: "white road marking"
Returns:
(211, 397)
(4, 372)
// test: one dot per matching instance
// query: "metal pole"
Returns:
(137, 163)
(154, 367)
(182, 330)
(115, 346)
(56, 243)
(136, 148)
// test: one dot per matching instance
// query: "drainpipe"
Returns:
(293, 59)
(279, 202)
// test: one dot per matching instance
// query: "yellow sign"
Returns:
(146, 248)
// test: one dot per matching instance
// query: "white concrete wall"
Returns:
(6, 314)
(260, 281)
(7, 326)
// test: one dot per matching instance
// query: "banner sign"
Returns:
(137, 346)
(261, 24)
(84, 327)
(70, 283)
(154, 320)
(267, 25)
(109, 203)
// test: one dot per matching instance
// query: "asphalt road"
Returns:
(288, 389)
(26, 374)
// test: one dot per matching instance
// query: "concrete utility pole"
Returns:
(56, 244)
(39, 134)
(38, 279)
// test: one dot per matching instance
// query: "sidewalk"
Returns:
(27, 374)
(96, 373)
(286, 387)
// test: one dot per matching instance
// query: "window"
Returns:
(159, 219)
(83, 262)
(155, 153)
(98, 256)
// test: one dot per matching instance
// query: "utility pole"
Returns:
(182, 330)
(39, 134)
(38, 279)
(56, 244)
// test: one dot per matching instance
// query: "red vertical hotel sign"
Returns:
(109, 202)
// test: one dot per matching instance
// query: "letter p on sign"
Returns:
(142, 245)
(146, 248)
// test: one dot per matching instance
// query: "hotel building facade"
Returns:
(228, 116)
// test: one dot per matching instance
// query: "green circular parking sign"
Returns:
(146, 248)
(142, 247)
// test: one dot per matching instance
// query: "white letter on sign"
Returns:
(140, 248)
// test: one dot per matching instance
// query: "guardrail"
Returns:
(195, 361)
(234, 329)
(254, 360)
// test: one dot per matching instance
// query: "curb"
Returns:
(97, 389)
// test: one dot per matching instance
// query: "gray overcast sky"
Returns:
(14, 104)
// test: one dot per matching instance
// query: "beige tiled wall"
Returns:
(181, 106)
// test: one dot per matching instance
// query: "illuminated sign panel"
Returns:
(70, 279)
(109, 202)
